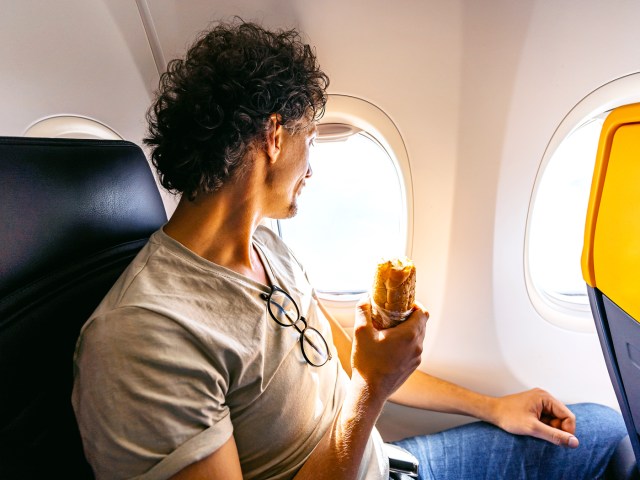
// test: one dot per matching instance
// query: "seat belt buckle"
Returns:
(401, 462)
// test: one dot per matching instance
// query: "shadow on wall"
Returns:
(493, 38)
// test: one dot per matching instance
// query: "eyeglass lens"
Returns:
(283, 308)
(314, 347)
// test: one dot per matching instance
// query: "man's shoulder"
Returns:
(270, 240)
(264, 234)
(266, 237)
(279, 250)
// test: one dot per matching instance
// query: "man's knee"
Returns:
(598, 423)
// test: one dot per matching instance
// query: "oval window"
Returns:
(558, 217)
(351, 212)
(557, 212)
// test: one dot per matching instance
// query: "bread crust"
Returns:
(393, 289)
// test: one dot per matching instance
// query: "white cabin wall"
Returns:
(466, 348)
(525, 65)
(462, 344)
(570, 49)
(178, 24)
(78, 57)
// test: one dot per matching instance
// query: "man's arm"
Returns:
(223, 463)
(534, 412)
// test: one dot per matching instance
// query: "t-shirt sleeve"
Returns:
(148, 398)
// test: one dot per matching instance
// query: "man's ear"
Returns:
(274, 137)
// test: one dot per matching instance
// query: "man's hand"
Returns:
(538, 414)
(385, 358)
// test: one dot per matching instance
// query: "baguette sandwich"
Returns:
(393, 292)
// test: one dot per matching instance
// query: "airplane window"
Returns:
(71, 126)
(350, 213)
(554, 234)
(557, 225)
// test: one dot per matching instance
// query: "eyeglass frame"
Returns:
(267, 298)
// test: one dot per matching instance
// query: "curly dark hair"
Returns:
(215, 103)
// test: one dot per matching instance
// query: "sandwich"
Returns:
(393, 292)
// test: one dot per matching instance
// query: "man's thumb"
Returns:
(363, 312)
(556, 436)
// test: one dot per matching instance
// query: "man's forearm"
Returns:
(425, 391)
(340, 452)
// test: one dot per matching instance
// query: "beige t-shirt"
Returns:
(181, 354)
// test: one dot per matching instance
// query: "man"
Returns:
(212, 358)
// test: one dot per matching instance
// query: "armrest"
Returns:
(402, 464)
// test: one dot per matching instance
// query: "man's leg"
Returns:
(482, 451)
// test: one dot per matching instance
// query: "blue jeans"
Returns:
(482, 451)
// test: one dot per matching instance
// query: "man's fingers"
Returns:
(364, 307)
(363, 314)
(560, 425)
(559, 415)
(555, 435)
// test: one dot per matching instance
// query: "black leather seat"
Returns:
(74, 214)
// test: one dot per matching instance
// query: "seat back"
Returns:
(74, 213)
(611, 258)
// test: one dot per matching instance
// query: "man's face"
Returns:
(291, 171)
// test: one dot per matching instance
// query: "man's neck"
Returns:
(219, 227)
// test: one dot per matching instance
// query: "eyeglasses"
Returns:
(284, 310)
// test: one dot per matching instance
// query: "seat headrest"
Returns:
(53, 189)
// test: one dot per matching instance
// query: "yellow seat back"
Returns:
(611, 253)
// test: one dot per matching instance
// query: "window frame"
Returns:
(375, 123)
(568, 315)
(71, 126)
